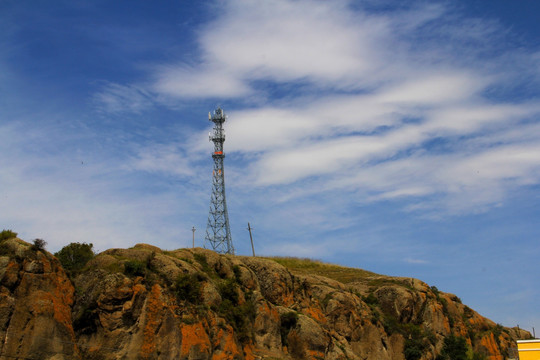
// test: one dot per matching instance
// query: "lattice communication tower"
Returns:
(218, 233)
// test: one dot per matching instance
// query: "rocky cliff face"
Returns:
(36, 300)
(145, 303)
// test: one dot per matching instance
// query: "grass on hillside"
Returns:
(315, 267)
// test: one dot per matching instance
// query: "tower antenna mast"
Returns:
(218, 233)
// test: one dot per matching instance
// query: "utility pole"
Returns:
(218, 233)
(251, 238)
(193, 229)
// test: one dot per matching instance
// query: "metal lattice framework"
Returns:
(218, 233)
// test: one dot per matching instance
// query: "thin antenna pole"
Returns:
(251, 238)
(193, 236)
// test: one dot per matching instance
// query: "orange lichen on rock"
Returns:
(11, 274)
(153, 310)
(461, 331)
(62, 302)
(477, 321)
(248, 352)
(315, 314)
(135, 291)
(47, 266)
(287, 299)
(285, 295)
(265, 308)
(137, 288)
(194, 338)
(490, 344)
(42, 303)
(314, 354)
(229, 348)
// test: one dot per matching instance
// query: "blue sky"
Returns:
(402, 139)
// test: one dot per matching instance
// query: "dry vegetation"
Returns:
(316, 267)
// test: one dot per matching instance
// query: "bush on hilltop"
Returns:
(74, 256)
(7, 234)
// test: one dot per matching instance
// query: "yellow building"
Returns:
(529, 349)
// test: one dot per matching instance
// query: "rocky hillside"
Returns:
(145, 303)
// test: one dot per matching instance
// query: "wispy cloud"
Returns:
(398, 105)
(397, 132)
(86, 195)
(115, 99)
(206, 81)
(162, 158)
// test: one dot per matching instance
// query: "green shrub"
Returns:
(327, 299)
(237, 273)
(445, 310)
(201, 259)
(430, 336)
(454, 348)
(239, 315)
(417, 339)
(7, 234)
(375, 316)
(391, 325)
(74, 256)
(188, 287)
(134, 268)
(150, 261)
(467, 313)
(497, 331)
(371, 299)
(86, 319)
(413, 349)
(39, 245)
(287, 321)
(228, 290)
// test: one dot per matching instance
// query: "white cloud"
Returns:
(207, 81)
(434, 88)
(246, 41)
(286, 40)
(392, 98)
(319, 158)
(88, 196)
(468, 118)
(116, 98)
(518, 163)
(162, 158)
(466, 182)
(289, 148)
